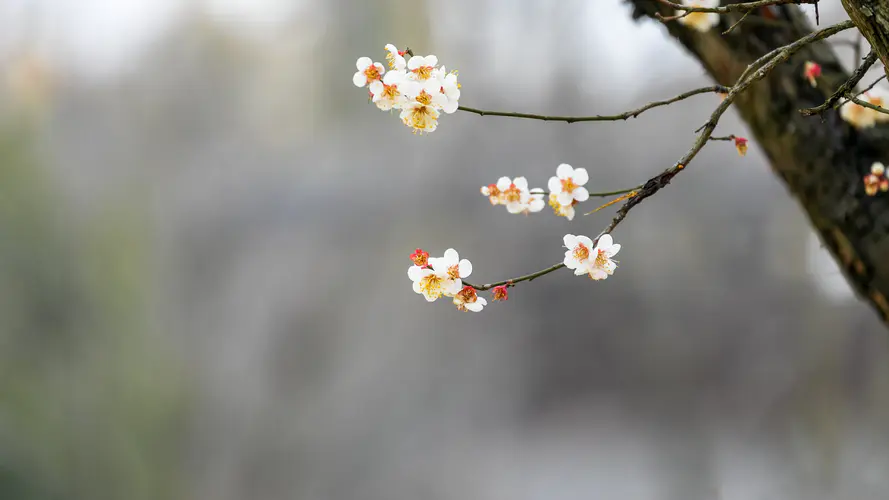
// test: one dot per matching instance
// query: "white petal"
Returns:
(569, 212)
(363, 63)
(581, 194)
(565, 198)
(417, 287)
(581, 270)
(450, 107)
(580, 176)
(570, 241)
(451, 257)
(359, 79)
(569, 261)
(598, 274)
(474, 306)
(415, 273)
(605, 241)
(452, 288)
(438, 264)
(465, 268)
(587, 242)
(536, 205)
(429, 298)
(514, 207)
(376, 87)
(613, 250)
(554, 185)
(521, 183)
(415, 62)
(503, 183)
(431, 61)
(564, 171)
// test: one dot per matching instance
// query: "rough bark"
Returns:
(871, 17)
(822, 161)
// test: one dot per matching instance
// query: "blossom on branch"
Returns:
(395, 57)
(501, 293)
(442, 276)
(700, 21)
(741, 145)
(368, 71)
(467, 299)
(566, 211)
(567, 186)
(876, 180)
(862, 117)
(583, 258)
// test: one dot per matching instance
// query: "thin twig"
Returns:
(598, 118)
(736, 7)
(845, 88)
(730, 28)
(872, 85)
(867, 104)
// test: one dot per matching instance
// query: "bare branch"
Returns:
(600, 118)
(845, 88)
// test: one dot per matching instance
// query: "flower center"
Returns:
(424, 98)
(423, 72)
(467, 295)
(372, 73)
(421, 118)
(454, 272)
(431, 286)
(512, 194)
(568, 185)
(601, 259)
(390, 58)
(581, 252)
(390, 91)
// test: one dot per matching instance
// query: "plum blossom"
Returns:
(741, 145)
(450, 88)
(501, 293)
(876, 180)
(395, 57)
(811, 72)
(700, 21)
(492, 192)
(583, 258)
(368, 71)
(568, 184)
(566, 211)
(468, 300)
(862, 117)
(420, 258)
(421, 68)
(454, 270)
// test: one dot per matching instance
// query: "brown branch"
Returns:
(600, 118)
(745, 7)
(845, 88)
(867, 104)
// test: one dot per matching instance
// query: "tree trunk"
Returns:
(871, 17)
(822, 163)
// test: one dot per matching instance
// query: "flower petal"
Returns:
(514, 207)
(605, 241)
(581, 270)
(465, 268)
(580, 194)
(580, 176)
(474, 306)
(613, 250)
(570, 241)
(503, 183)
(565, 198)
(569, 261)
(521, 183)
(415, 273)
(554, 185)
(417, 288)
(359, 79)
(363, 63)
(564, 171)
(587, 242)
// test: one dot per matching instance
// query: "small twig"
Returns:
(867, 104)
(845, 88)
(723, 138)
(735, 7)
(730, 28)
(612, 193)
(598, 118)
(872, 85)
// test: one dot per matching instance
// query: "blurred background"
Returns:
(204, 239)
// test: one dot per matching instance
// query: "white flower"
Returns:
(387, 93)
(700, 21)
(394, 57)
(450, 88)
(427, 282)
(566, 211)
(368, 71)
(468, 300)
(420, 117)
(856, 115)
(568, 184)
(453, 269)
(511, 190)
(530, 202)
(421, 67)
(582, 258)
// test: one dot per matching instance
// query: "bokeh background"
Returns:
(204, 238)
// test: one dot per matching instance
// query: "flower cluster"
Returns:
(700, 21)
(416, 86)
(876, 180)
(566, 190)
(436, 277)
(811, 72)
(862, 117)
(514, 193)
(583, 258)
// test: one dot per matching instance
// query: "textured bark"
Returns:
(871, 17)
(822, 163)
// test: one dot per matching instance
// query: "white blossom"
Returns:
(368, 71)
(395, 58)
(568, 184)
(421, 68)
(453, 269)
(566, 211)
(468, 300)
(596, 262)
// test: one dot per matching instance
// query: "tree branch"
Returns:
(845, 88)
